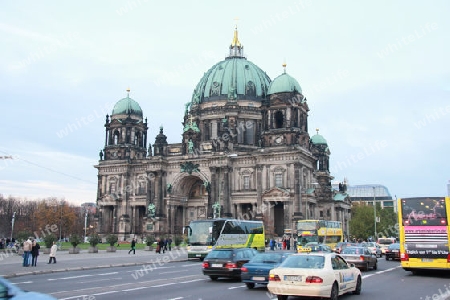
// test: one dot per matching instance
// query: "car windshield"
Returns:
(369, 244)
(353, 250)
(385, 241)
(394, 246)
(220, 254)
(267, 258)
(304, 262)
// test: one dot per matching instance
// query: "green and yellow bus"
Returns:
(320, 231)
(424, 233)
(204, 235)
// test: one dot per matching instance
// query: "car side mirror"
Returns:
(352, 265)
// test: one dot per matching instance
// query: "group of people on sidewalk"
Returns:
(31, 252)
(161, 245)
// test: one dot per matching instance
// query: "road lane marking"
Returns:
(236, 287)
(189, 281)
(135, 289)
(71, 277)
(111, 273)
(166, 284)
(177, 271)
(105, 293)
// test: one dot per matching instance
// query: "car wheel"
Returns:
(357, 290)
(250, 285)
(334, 292)
(375, 266)
(213, 278)
(282, 297)
(387, 258)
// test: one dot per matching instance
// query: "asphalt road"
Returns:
(184, 280)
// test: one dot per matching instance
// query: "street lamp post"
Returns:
(85, 224)
(374, 214)
(12, 224)
(60, 221)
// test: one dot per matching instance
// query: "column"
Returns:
(226, 194)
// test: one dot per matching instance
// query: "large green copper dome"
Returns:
(234, 78)
(127, 106)
(284, 83)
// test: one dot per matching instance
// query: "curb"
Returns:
(13, 275)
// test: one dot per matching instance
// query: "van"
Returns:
(384, 243)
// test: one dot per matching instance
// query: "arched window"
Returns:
(250, 132)
(279, 119)
(116, 138)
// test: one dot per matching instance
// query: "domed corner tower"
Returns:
(126, 132)
(319, 148)
(285, 116)
(119, 181)
(224, 113)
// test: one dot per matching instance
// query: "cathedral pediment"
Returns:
(276, 192)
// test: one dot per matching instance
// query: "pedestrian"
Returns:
(169, 242)
(272, 244)
(34, 253)
(133, 246)
(26, 252)
(166, 241)
(158, 247)
(161, 246)
(288, 243)
(52, 256)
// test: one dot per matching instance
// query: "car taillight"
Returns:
(273, 277)
(231, 265)
(244, 269)
(404, 256)
(361, 257)
(205, 264)
(443, 222)
(448, 258)
(314, 279)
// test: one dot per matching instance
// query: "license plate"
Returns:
(216, 265)
(256, 278)
(395, 251)
(198, 255)
(427, 260)
(292, 278)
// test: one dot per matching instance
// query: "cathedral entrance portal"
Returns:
(278, 211)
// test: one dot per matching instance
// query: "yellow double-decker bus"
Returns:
(424, 233)
(319, 231)
(204, 235)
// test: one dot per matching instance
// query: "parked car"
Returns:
(226, 262)
(373, 247)
(256, 271)
(314, 275)
(393, 252)
(11, 291)
(361, 257)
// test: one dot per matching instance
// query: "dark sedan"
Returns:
(393, 252)
(361, 257)
(256, 271)
(226, 262)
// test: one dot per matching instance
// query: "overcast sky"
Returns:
(375, 73)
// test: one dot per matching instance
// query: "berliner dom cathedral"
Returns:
(245, 152)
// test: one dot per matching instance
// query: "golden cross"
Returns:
(237, 20)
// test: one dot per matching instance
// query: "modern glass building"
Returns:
(370, 193)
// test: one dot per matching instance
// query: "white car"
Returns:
(314, 275)
(373, 247)
(11, 291)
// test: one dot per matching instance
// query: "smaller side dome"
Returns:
(318, 139)
(127, 106)
(284, 84)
